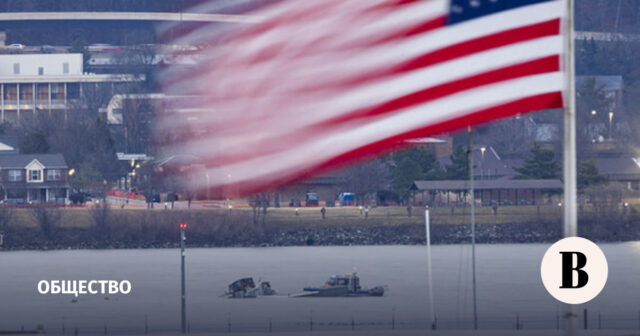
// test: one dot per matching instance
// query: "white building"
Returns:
(32, 83)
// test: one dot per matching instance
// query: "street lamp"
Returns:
(610, 122)
(183, 227)
(482, 150)
(593, 112)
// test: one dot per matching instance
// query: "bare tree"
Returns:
(47, 218)
(101, 216)
(6, 215)
(367, 178)
(593, 107)
(509, 137)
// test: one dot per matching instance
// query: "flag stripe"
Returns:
(382, 57)
(340, 139)
(376, 93)
(501, 39)
(540, 30)
(543, 65)
(316, 85)
(257, 184)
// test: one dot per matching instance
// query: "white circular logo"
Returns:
(574, 270)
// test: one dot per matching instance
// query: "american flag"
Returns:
(305, 86)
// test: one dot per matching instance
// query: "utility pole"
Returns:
(473, 229)
(183, 227)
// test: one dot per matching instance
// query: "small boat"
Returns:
(246, 288)
(341, 285)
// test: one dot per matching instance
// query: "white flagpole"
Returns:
(429, 272)
(570, 166)
(473, 230)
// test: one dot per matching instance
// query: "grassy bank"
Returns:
(306, 217)
(103, 227)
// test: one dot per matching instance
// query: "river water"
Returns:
(508, 280)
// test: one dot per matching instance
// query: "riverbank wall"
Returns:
(105, 228)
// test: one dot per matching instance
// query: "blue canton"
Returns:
(463, 10)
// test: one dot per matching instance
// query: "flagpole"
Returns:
(570, 166)
(473, 229)
(432, 310)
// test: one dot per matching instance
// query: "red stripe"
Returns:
(411, 31)
(512, 36)
(280, 141)
(534, 103)
(271, 51)
(392, 4)
(501, 39)
(286, 18)
(534, 67)
(319, 44)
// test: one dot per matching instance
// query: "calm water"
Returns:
(508, 285)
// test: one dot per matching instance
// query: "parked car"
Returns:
(47, 48)
(347, 199)
(81, 198)
(16, 46)
(102, 47)
(311, 200)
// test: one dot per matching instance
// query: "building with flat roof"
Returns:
(487, 192)
(52, 83)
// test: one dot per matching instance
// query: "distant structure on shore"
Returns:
(48, 83)
(27, 178)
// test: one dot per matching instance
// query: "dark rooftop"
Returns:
(22, 160)
(606, 83)
(487, 184)
(618, 166)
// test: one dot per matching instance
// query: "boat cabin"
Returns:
(351, 281)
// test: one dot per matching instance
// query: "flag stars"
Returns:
(463, 10)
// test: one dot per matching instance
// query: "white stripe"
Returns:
(309, 31)
(396, 52)
(237, 50)
(319, 109)
(465, 31)
(327, 145)
(389, 88)
(346, 18)
(269, 13)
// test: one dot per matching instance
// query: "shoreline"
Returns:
(31, 239)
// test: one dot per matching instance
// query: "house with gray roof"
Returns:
(621, 169)
(41, 178)
(8, 145)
